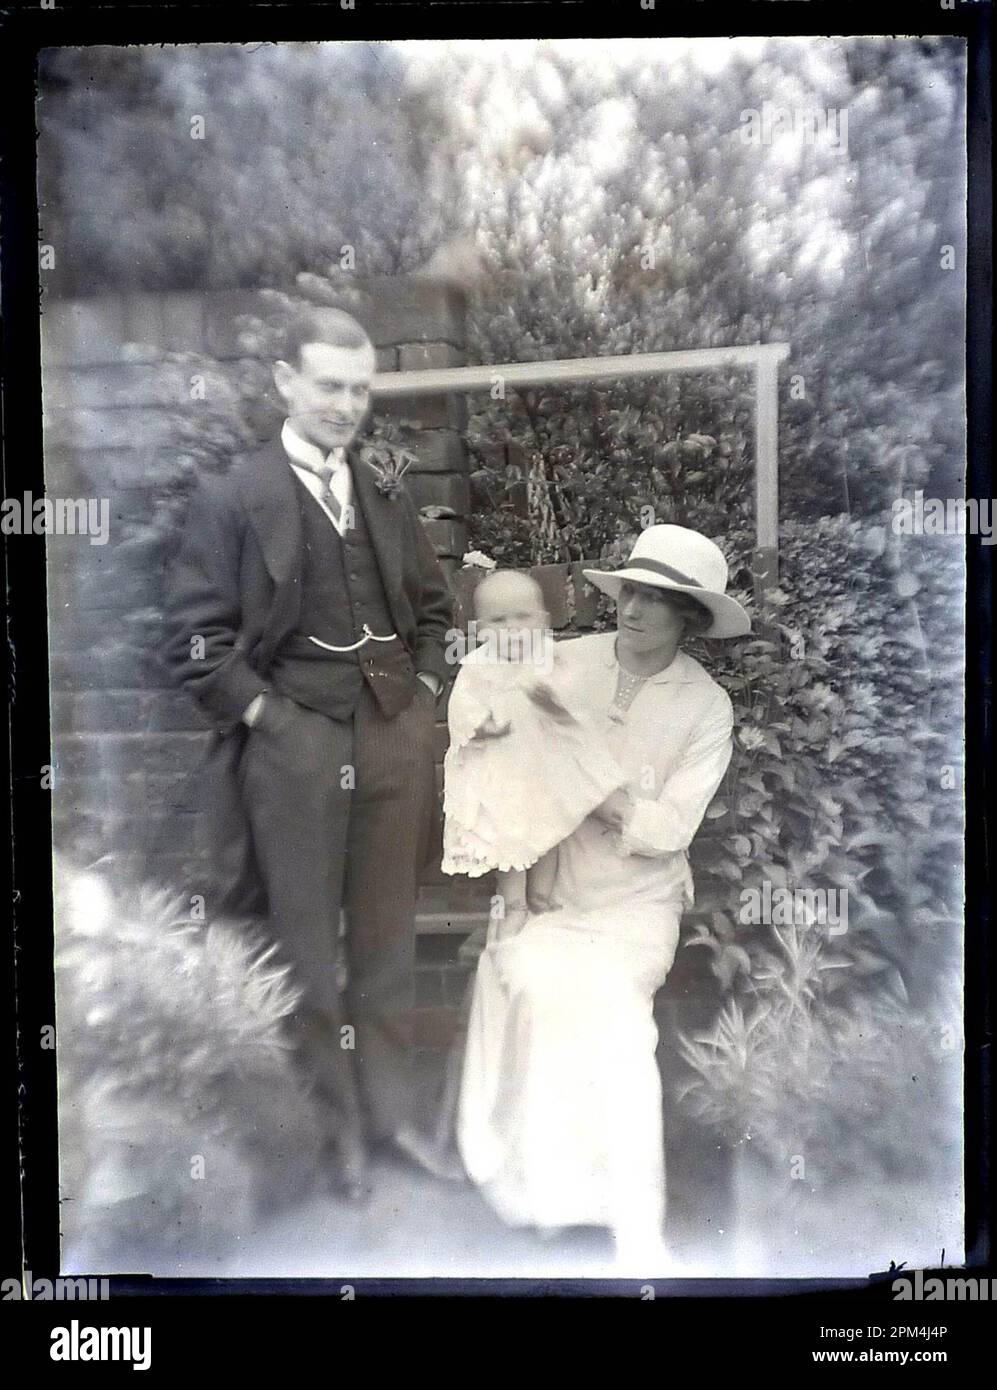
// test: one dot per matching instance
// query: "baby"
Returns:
(523, 770)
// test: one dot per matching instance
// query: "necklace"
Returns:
(627, 686)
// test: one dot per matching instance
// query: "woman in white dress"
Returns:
(559, 1115)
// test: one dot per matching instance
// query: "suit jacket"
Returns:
(235, 583)
(236, 580)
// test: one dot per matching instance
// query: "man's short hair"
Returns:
(334, 327)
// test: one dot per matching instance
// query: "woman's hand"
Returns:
(615, 811)
(510, 924)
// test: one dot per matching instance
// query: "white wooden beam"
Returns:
(565, 371)
(766, 560)
(762, 358)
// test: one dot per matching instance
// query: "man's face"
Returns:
(327, 394)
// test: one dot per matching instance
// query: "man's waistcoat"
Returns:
(341, 591)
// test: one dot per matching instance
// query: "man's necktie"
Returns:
(328, 474)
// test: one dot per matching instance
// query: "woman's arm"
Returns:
(669, 823)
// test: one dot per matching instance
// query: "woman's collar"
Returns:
(681, 670)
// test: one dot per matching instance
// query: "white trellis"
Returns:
(761, 358)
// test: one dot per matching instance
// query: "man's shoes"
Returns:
(428, 1155)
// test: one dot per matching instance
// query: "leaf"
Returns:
(784, 773)
(722, 926)
(865, 838)
(772, 744)
(740, 956)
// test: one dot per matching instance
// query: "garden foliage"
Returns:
(182, 1119)
(847, 776)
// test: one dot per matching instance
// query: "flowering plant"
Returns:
(390, 464)
(477, 559)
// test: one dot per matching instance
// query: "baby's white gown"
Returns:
(510, 799)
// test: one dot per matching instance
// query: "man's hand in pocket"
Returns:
(273, 714)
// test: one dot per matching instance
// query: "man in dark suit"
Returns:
(308, 617)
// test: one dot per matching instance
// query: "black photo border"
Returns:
(28, 1159)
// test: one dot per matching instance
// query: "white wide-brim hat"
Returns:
(675, 558)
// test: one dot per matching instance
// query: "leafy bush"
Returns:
(171, 1053)
(802, 1066)
(847, 769)
(847, 775)
(602, 461)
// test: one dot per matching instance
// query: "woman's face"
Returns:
(645, 619)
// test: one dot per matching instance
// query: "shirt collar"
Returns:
(304, 453)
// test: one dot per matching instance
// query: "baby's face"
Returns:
(509, 603)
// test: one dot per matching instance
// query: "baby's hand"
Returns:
(490, 727)
(542, 693)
